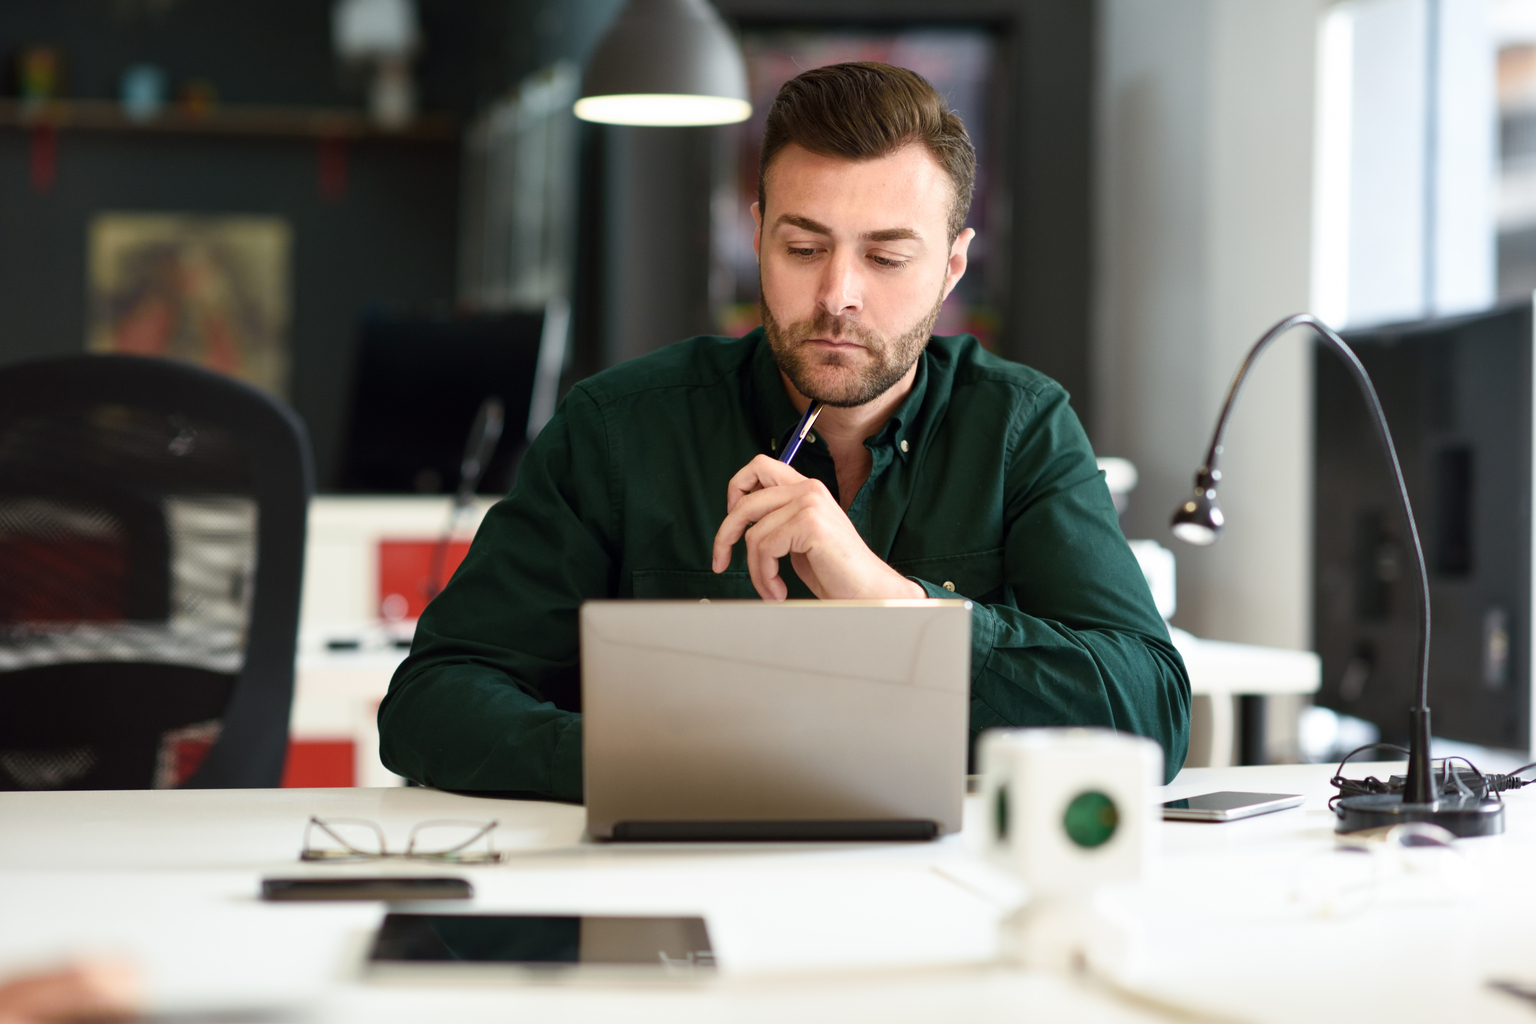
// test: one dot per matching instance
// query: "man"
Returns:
(934, 470)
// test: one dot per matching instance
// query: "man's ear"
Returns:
(757, 232)
(958, 260)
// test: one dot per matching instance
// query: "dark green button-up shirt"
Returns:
(983, 486)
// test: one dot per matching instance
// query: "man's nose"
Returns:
(842, 291)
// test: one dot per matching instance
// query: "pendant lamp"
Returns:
(666, 62)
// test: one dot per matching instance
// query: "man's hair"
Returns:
(862, 111)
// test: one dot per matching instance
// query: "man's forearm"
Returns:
(466, 727)
(486, 700)
(1027, 671)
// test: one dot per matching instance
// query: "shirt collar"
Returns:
(777, 417)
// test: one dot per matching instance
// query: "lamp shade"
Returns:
(666, 62)
(1199, 520)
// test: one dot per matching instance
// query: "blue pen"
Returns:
(798, 437)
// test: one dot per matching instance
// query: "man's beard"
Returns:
(799, 363)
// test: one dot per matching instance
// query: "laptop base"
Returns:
(773, 831)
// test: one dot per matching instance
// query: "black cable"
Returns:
(1461, 787)
(1360, 787)
(1370, 746)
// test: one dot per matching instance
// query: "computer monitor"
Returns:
(417, 385)
(1458, 397)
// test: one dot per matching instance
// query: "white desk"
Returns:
(804, 933)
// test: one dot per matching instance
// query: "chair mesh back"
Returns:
(127, 554)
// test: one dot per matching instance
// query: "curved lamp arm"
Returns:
(1199, 521)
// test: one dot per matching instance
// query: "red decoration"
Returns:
(333, 168)
(320, 764)
(405, 570)
(182, 752)
(45, 156)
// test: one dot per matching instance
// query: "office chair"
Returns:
(152, 521)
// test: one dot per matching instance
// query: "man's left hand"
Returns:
(780, 512)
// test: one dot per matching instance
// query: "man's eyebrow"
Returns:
(883, 235)
(795, 220)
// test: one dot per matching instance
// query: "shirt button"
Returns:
(811, 438)
(949, 586)
(903, 444)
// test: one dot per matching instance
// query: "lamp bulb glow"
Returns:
(662, 109)
(1195, 533)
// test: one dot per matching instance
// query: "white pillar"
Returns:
(1465, 274)
(1205, 127)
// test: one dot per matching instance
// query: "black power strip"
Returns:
(1449, 781)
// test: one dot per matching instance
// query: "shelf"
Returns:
(230, 120)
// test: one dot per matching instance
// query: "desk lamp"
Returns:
(665, 62)
(1199, 521)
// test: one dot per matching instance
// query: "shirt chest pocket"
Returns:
(975, 574)
(672, 584)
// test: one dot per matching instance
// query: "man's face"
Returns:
(855, 261)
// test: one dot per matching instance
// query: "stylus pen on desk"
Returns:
(798, 437)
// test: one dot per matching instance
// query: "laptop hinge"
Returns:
(773, 831)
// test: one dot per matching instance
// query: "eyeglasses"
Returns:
(1413, 863)
(346, 839)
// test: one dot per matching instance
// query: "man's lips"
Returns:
(834, 343)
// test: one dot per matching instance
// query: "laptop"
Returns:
(797, 720)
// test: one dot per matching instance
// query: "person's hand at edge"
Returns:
(94, 990)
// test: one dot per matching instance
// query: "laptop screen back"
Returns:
(796, 712)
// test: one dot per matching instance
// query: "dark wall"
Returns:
(656, 241)
(544, 31)
(555, 30)
(264, 51)
(391, 239)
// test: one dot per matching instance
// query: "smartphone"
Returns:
(415, 942)
(1228, 806)
(344, 888)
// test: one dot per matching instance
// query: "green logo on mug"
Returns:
(1091, 819)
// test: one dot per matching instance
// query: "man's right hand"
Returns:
(779, 512)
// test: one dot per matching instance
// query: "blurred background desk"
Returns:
(1221, 672)
(367, 560)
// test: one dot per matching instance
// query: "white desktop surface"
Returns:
(804, 933)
